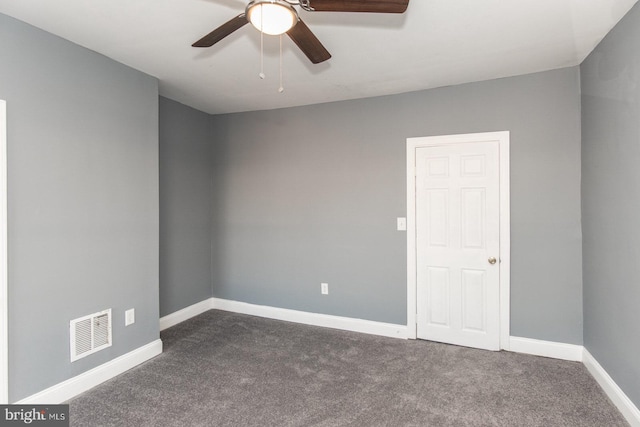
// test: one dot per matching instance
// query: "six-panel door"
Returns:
(457, 237)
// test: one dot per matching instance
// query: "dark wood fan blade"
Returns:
(375, 6)
(308, 43)
(222, 31)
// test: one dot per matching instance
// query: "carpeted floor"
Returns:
(225, 369)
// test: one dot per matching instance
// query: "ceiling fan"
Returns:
(275, 17)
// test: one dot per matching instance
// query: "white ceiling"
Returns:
(435, 43)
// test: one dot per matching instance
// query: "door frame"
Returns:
(4, 265)
(505, 224)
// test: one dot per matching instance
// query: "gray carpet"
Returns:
(225, 369)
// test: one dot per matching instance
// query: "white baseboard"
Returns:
(314, 319)
(551, 349)
(615, 393)
(185, 314)
(74, 386)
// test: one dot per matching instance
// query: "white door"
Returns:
(4, 373)
(458, 243)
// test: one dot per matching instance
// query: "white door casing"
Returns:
(457, 219)
(4, 337)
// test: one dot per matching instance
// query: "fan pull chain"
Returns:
(281, 88)
(261, 75)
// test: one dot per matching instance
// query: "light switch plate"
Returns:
(129, 317)
(402, 224)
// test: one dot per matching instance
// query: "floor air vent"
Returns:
(90, 334)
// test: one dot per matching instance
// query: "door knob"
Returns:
(492, 260)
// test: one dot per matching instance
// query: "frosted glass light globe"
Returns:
(272, 17)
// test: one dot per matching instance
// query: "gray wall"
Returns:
(83, 202)
(310, 194)
(185, 206)
(611, 203)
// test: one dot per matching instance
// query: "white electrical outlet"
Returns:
(324, 288)
(130, 317)
(402, 224)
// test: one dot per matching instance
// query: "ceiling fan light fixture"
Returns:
(273, 17)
